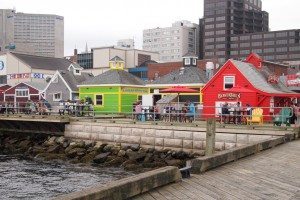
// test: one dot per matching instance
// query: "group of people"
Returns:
(234, 113)
(39, 107)
(76, 108)
(167, 113)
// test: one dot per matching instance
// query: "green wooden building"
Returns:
(114, 91)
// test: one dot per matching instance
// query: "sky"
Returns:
(103, 22)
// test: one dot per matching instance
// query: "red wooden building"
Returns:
(2, 89)
(248, 82)
(23, 92)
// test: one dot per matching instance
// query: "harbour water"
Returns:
(27, 179)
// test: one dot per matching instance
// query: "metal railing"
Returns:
(175, 112)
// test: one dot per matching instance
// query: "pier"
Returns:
(272, 174)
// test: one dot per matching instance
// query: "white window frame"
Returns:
(57, 99)
(187, 61)
(224, 82)
(101, 99)
(194, 61)
(22, 90)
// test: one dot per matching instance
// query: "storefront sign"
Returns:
(18, 76)
(26, 75)
(135, 90)
(229, 96)
(293, 80)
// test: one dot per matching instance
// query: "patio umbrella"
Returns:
(178, 90)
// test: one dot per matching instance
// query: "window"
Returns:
(99, 100)
(194, 61)
(22, 92)
(57, 96)
(228, 82)
(187, 61)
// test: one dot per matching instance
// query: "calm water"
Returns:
(25, 179)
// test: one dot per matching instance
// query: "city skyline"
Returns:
(89, 24)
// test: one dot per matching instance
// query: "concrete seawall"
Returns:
(166, 137)
(128, 187)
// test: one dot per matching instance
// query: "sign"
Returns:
(18, 76)
(26, 75)
(134, 90)
(229, 96)
(293, 80)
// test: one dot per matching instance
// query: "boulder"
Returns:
(60, 140)
(132, 167)
(136, 156)
(101, 158)
(174, 162)
(108, 148)
(121, 153)
(135, 147)
(54, 149)
(25, 144)
(50, 141)
(149, 158)
(66, 143)
(75, 152)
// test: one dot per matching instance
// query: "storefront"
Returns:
(247, 83)
(22, 92)
(115, 91)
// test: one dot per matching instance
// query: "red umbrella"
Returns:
(178, 90)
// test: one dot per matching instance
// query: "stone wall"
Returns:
(165, 137)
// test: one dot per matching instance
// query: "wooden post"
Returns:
(210, 137)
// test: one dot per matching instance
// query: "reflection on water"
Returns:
(25, 179)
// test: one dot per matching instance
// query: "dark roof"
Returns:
(116, 58)
(259, 78)
(74, 80)
(189, 75)
(114, 77)
(42, 62)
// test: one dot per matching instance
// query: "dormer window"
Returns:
(187, 61)
(77, 72)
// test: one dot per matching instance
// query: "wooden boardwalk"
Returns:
(272, 174)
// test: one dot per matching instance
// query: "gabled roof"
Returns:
(188, 75)
(116, 59)
(111, 77)
(74, 80)
(259, 78)
(42, 62)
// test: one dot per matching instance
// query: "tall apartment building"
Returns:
(38, 34)
(234, 28)
(172, 43)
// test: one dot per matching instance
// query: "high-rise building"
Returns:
(234, 28)
(172, 42)
(224, 18)
(39, 34)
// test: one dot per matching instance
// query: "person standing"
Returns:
(191, 112)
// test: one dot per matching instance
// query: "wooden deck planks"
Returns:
(272, 174)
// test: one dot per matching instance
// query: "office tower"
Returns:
(172, 43)
(39, 34)
(225, 18)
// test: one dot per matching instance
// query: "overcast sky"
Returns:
(103, 22)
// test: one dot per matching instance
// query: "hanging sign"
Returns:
(229, 96)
